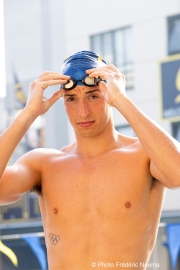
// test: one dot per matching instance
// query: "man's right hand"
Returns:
(37, 103)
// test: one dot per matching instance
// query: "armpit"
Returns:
(37, 189)
(153, 183)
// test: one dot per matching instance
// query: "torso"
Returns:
(104, 209)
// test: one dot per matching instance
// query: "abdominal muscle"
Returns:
(97, 238)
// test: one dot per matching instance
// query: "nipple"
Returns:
(55, 210)
(127, 205)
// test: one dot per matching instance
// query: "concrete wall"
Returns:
(34, 42)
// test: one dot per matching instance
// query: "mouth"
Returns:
(86, 124)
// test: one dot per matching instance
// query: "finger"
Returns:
(56, 96)
(89, 71)
(100, 73)
(112, 67)
(105, 74)
(53, 76)
(47, 72)
(106, 67)
(103, 86)
(44, 84)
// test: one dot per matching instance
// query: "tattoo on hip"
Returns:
(54, 239)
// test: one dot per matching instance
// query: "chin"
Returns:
(88, 133)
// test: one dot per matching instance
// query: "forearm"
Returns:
(12, 136)
(162, 149)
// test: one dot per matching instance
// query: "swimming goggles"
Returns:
(71, 84)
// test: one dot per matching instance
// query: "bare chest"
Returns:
(106, 186)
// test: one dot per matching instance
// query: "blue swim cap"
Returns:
(77, 64)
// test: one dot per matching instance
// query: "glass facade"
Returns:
(174, 34)
(176, 130)
(126, 130)
(116, 47)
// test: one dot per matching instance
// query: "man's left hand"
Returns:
(114, 88)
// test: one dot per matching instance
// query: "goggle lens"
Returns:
(69, 84)
(90, 81)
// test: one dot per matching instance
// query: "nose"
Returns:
(83, 109)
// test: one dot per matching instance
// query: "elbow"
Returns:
(174, 183)
(8, 200)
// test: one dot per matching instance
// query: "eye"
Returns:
(70, 99)
(93, 97)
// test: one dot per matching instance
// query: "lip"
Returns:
(86, 124)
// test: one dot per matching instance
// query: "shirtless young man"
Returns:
(101, 197)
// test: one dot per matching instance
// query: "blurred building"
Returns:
(142, 38)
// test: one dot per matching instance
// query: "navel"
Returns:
(127, 205)
(55, 210)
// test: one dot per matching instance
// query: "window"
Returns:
(174, 34)
(116, 48)
(176, 130)
(126, 130)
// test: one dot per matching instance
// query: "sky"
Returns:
(2, 53)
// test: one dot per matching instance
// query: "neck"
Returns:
(98, 144)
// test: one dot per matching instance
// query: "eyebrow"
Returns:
(88, 92)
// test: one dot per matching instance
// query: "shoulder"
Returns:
(37, 157)
(132, 143)
(41, 155)
(132, 147)
(47, 154)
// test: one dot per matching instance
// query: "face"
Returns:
(87, 110)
